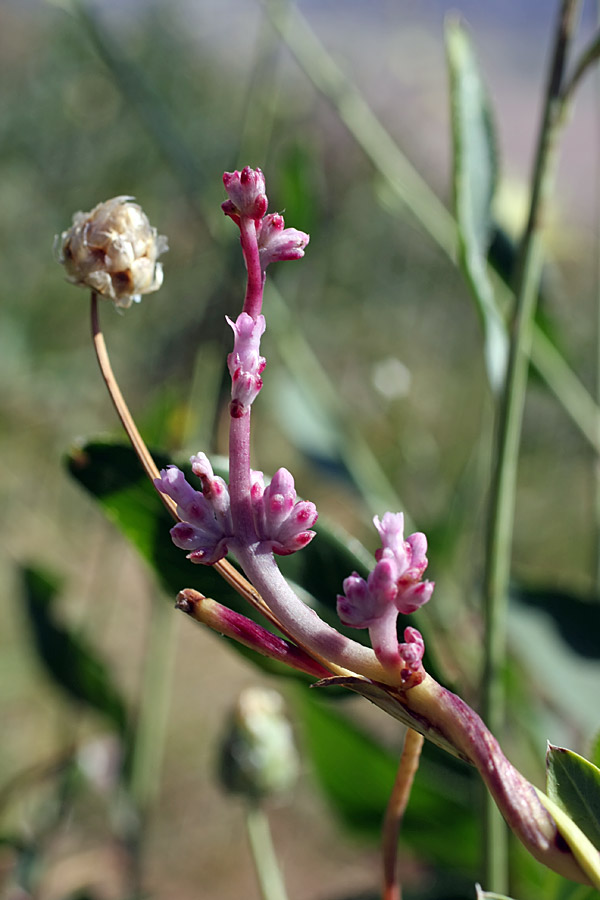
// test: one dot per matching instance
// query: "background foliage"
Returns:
(376, 398)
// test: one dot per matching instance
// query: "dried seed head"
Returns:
(113, 250)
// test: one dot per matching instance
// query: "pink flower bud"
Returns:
(246, 192)
(280, 520)
(205, 526)
(276, 242)
(245, 363)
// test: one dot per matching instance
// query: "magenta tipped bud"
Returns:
(276, 242)
(246, 192)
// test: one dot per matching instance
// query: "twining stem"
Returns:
(503, 488)
(224, 568)
(394, 814)
(269, 875)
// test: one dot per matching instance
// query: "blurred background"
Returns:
(375, 395)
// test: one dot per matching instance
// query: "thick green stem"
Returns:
(503, 489)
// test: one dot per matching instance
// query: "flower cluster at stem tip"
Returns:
(394, 586)
(274, 519)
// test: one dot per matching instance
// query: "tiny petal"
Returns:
(354, 606)
(113, 250)
(413, 597)
(246, 192)
(412, 651)
(245, 363)
(417, 552)
(172, 482)
(276, 242)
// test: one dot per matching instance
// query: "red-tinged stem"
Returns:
(244, 631)
(438, 710)
(407, 769)
(254, 288)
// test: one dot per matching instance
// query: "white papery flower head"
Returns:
(113, 250)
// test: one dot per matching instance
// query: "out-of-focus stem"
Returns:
(407, 769)
(503, 490)
(153, 706)
(269, 875)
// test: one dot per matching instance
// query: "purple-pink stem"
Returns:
(303, 624)
(256, 276)
(239, 479)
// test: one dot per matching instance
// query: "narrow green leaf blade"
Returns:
(474, 177)
(574, 784)
(72, 664)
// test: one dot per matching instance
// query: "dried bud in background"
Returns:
(258, 754)
(113, 250)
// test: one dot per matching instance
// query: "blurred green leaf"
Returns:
(595, 753)
(72, 664)
(574, 783)
(569, 891)
(357, 774)
(576, 618)
(474, 176)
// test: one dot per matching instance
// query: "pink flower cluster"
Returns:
(279, 518)
(394, 586)
(281, 523)
(246, 192)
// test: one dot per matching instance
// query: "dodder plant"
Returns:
(113, 250)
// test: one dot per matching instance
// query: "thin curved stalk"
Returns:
(407, 769)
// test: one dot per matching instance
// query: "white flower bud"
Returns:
(113, 250)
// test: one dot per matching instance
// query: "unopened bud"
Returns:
(258, 755)
(113, 250)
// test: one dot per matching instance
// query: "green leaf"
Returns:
(595, 754)
(574, 784)
(357, 774)
(474, 177)
(582, 848)
(72, 664)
